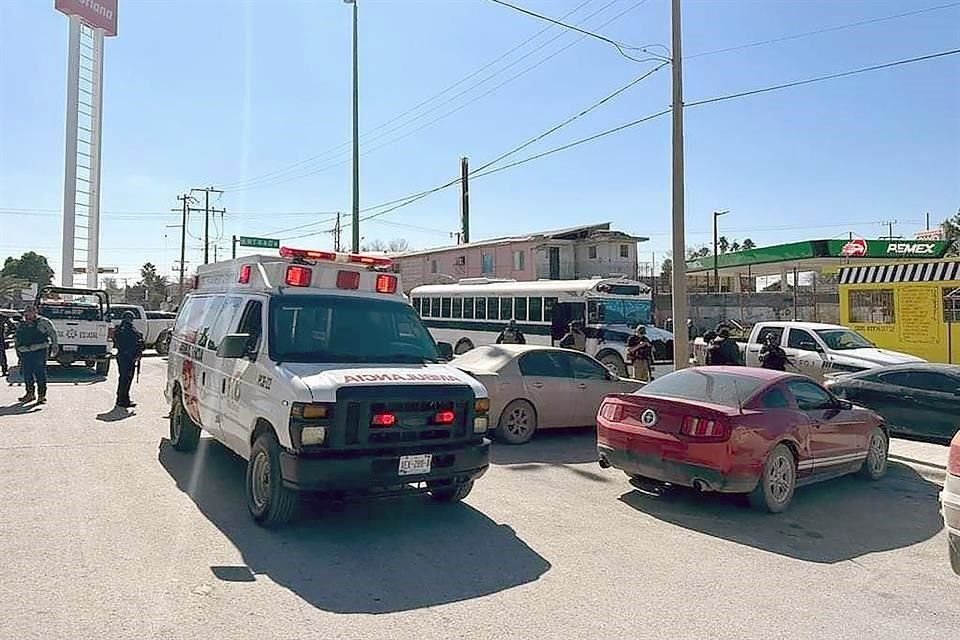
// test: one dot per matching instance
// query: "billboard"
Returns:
(99, 14)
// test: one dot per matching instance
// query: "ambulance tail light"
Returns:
(386, 283)
(244, 274)
(370, 261)
(298, 276)
(348, 279)
(383, 419)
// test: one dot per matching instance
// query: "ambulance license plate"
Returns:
(70, 347)
(415, 465)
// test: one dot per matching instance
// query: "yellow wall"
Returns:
(919, 328)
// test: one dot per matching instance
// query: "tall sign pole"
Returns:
(681, 352)
(90, 22)
(355, 220)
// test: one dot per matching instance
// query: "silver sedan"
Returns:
(535, 387)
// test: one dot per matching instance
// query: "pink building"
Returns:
(567, 254)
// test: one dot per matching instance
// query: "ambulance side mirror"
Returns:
(446, 350)
(234, 345)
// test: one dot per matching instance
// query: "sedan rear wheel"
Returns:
(875, 465)
(517, 423)
(778, 481)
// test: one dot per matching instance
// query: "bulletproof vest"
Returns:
(28, 334)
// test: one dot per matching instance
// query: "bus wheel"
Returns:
(463, 345)
(612, 361)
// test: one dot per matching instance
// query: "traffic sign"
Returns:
(259, 243)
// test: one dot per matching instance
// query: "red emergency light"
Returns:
(244, 274)
(447, 416)
(348, 279)
(298, 276)
(332, 256)
(383, 420)
(307, 254)
(386, 283)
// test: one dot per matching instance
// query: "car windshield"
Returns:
(703, 385)
(342, 329)
(629, 312)
(840, 339)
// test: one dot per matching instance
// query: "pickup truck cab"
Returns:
(815, 349)
(81, 318)
(154, 325)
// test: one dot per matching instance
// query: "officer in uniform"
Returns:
(34, 340)
(129, 344)
(511, 334)
(723, 350)
(640, 354)
(771, 355)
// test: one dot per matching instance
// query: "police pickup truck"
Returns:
(314, 368)
(81, 318)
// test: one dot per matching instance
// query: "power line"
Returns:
(807, 34)
(832, 76)
(620, 46)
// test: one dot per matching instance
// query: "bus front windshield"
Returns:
(341, 329)
(628, 312)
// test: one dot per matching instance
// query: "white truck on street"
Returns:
(80, 317)
(813, 348)
(156, 326)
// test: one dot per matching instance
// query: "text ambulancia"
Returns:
(314, 368)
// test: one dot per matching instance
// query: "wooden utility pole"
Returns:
(681, 352)
(185, 200)
(465, 200)
(206, 220)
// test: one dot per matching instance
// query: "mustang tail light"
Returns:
(383, 420)
(705, 428)
(298, 276)
(386, 283)
(611, 411)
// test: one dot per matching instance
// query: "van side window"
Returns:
(206, 324)
(226, 318)
(251, 323)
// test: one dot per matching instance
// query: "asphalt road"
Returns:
(105, 532)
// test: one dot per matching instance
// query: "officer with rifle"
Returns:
(129, 344)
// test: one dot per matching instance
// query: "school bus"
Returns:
(912, 307)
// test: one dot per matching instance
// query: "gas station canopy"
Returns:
(814, 255)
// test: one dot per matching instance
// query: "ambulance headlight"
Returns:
(481, 422)
(312, 436)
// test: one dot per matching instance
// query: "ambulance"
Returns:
(314, 369)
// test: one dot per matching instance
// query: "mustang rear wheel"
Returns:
(778, 481)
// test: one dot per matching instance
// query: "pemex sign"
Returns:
(861, 248)
(99, 14)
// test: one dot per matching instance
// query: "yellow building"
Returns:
(913, 307)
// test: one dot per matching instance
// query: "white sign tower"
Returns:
(90, 22)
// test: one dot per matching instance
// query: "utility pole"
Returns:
(465, 199)
(716, 252)
(233, 249)
(356, 136)
(336, 233)
(928, 221)
(681, 352)
(890, 224)
(185, 200)
(206, 220)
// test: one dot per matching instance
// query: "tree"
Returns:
(396, 245)
(748, 244)
(152, 287)
(723, 245)
(951, 232)
(735, 246)
(31, 267)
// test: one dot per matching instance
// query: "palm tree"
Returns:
(748, 244)
(723, 244)
(735, 246)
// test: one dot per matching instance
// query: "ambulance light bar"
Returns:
(332, 256)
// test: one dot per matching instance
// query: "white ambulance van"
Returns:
(313, 368)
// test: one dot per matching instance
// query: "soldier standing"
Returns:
(35, 339)
(129, 343)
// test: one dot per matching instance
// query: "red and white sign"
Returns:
(930, 234)
(99, 14)
(854, 249)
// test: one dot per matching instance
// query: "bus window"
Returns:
(493, 308)
(416, 304)
(536, 309)
(445, 307)
(434, 307)
(548, 305)
(481, 308)
(468, 308)
(506, 308)
(458, 307)
(520, 308)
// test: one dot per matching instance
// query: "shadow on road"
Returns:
(115, 415)
(58, 374)
(827, 522)
(18, 409)
(367, 557)
(555, 446)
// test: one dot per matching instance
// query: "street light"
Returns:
(716, 276)
(356, 137)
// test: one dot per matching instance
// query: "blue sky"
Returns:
(215, 92)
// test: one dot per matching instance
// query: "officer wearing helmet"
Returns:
(511, 334)
(722, 349)
(640, 354)
(129, 344)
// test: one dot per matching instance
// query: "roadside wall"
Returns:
(707, 310)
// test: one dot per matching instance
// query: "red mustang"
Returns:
(739, 430)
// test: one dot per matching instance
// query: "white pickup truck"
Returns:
(83, 330)
(814, 349)
(154, 325)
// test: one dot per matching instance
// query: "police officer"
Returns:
(771, 355)
(575, 337)
(129, 344)
(34, 340)
(4, 329)
(511, 334)
(723, 350)
(640, 354)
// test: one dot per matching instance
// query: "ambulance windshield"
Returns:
(343, 329)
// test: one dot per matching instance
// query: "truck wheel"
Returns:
(103, 367)
(518, 422)
(875, 465)
(163, 345)
(777, 483)
(612, 361)
(271, 504)
(449, 492)
(184, 434)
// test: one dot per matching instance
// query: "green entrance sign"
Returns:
(259, 243)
